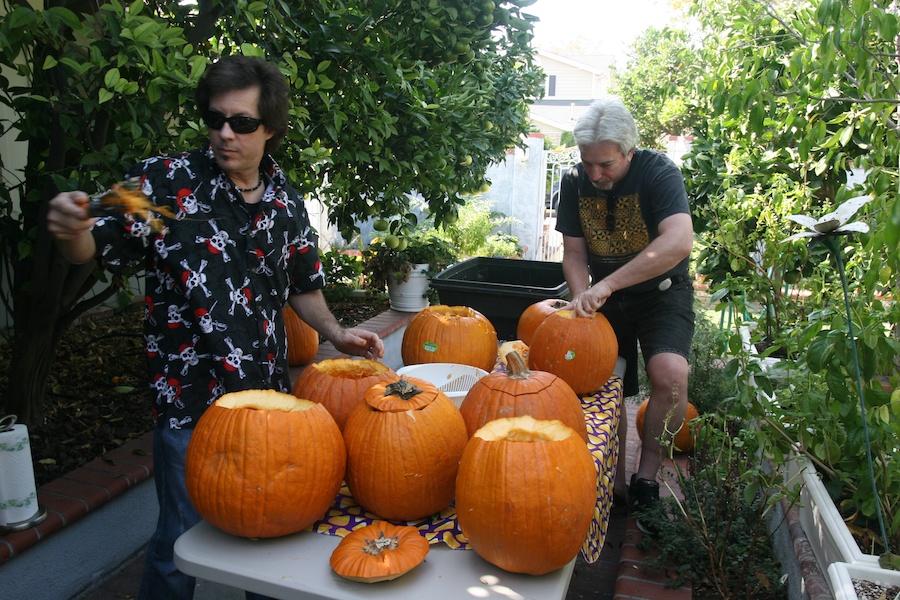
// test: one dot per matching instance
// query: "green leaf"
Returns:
(846, 135)
(111, 78)
(818, 353)
(66, 16)
(49, 62)
(104, 95)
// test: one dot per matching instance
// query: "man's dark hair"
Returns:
(237, 72)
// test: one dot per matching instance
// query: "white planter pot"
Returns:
(841, 576)
(828, 535)
(410, 295)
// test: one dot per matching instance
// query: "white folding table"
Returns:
(297, 567)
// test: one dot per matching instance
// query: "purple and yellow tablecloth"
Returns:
(601, 411)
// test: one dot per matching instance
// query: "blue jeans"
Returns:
(161, 580)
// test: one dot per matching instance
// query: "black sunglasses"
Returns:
(216, 120)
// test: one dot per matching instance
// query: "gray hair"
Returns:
(607, 120)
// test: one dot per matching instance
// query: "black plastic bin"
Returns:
(500, 288)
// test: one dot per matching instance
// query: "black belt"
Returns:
(661, 284)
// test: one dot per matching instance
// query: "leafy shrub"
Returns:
(476, 233)
(344, 269)
(718, 537)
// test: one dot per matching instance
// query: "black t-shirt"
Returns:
(619, 223)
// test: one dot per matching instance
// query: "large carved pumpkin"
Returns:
(264, 464)
(519, 391)
(302, 340)
(684, 439)
(338, 384)
(450, 334)
(379, 552)
(534, 315)
(404, 441)
(582, 351)
(525, 494)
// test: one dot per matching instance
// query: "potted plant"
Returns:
(404, 259)
(832, 419)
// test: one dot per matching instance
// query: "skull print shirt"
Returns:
(216, 278)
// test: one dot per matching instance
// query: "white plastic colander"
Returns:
(452, 379)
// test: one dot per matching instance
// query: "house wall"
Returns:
(517, 190)
(572, 83)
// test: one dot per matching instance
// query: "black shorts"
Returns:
(660, 321)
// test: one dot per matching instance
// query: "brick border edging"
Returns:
(76, 494)
(815, 583)
(73, 496)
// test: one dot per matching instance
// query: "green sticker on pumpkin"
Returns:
(570, 355)
(430, 347)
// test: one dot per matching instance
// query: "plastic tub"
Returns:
(452, 379)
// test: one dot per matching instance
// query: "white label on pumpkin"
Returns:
(430, 347)
(570, 354)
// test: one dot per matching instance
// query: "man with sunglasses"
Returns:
(239, 247)
(627, 238)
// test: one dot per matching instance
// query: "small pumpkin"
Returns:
(377, 552)
(302, 339)
(450, 334)
(534, 315)
(338, 384)
(684, 439)
(525, 494)
(582, 351)
(519, 391)
(404, 441)
(517, 346)
(264, 464)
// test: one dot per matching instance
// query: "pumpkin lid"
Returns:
(379, 552)
(403, 394)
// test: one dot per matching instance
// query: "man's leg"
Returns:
(161, 580)
(668, 375)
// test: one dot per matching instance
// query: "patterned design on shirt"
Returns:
(216, 280)
(628, 235)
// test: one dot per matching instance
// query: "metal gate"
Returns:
(557, 164)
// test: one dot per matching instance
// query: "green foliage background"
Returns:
(390, 96)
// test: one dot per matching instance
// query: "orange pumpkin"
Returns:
(518, 391)
(338, 384)
(404, 441)
(379, 552)
(450, 334)
(684, 439)
(302, 340)
(534, 315)
(264, 464)
(525, 494)
(582, 351)
(517, 346)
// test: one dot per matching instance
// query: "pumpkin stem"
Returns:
(401, 388)
(377, 546)
(515, 366)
